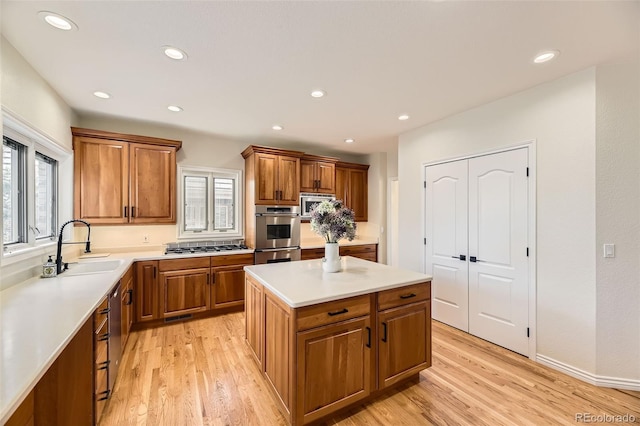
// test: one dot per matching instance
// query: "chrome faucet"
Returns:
(59, 265)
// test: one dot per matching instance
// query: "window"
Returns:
(30, 180)
(209, 199)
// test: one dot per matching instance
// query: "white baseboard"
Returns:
(594, 379)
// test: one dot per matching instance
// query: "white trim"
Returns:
(531, 147)
(585, 376)
(47, 145)
(390, 235)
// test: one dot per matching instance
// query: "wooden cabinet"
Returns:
(127, 306)
(101, 389)
(362, 251)
(272, 176)
(318, 174)
(184, 286)
(322, 358)
(227, 280)
(404, 329)
(65, 394)
(254, 318)
(352, 188)
(120, 179)
(23, 416)
(146, 294)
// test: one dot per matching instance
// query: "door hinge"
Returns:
(527, 331)
(425, 241)
(424, 184)
(527, 251)
(527, 172)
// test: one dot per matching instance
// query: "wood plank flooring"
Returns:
(201, 373)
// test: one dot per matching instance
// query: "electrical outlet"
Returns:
(609, 250)
(145, 239)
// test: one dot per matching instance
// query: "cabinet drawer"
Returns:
(333, 312)
(404, 295)
(232, 259)
(312, 253)
(178, 264)
(101, 314)
(358, 250)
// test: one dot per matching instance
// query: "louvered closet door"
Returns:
(498, 225)
(446, 234)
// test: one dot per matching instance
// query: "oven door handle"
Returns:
(277, 249)
(292, 215)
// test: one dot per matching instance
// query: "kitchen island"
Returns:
(326, 341)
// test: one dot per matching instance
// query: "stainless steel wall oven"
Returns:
(277, 234)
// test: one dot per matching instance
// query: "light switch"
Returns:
(609, 250)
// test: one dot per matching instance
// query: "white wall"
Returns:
(618, 220)
(28, 97)
(560, 116)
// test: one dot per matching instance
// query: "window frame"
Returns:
(211, 233)
(34, 141)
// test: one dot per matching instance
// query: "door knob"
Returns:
(461, 257)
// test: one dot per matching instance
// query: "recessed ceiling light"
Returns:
(174, 53)
(349, 140)
(174, 108)
(58, 21)
(102, 95)
(318, 93)
(403, 117)
(546, 56)
(277, 127)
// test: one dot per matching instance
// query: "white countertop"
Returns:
(304, 283)
(39, 317)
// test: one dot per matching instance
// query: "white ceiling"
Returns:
(253, 64)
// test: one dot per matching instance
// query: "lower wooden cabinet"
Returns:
(322, 358)
(127, 306)
(146, 294)
(227, 280)
(184, 292)
(334, 367)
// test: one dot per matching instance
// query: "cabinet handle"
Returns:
(104, 337)
(368, 337)
(130, 301)
(106, 395)
(105, 311)
(408, 296)
(104, 365)
(342, 311)
(154, 272)
(126, 211)
(133, 211)
(213, 278)
(384, 331)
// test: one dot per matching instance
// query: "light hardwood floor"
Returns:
(201, 373)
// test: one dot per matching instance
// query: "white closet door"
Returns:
(498, 221)
(446, 248)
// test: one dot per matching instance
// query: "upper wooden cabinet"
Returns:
(272, 176)
(352, 187)
(318, 174)
(122, 178)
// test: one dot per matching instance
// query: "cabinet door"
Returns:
(101, 179)
(288, 181)
(127, 306)
(153, 180)
(254, 318)
(334, 367)
(227, 287)
(404, 343)
(358, 196)
(146, 290)
(184, 292)
(308, 176)
(326, 175)
(342, 185)
(266, 178)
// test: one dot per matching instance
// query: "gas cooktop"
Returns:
(205, 247)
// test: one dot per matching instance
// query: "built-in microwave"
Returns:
(308, 200)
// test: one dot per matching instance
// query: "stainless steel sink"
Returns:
(93, 267)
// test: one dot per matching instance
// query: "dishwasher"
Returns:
(115, 337)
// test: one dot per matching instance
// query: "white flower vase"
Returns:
(331, 259)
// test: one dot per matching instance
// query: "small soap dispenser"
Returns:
(49, 269)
